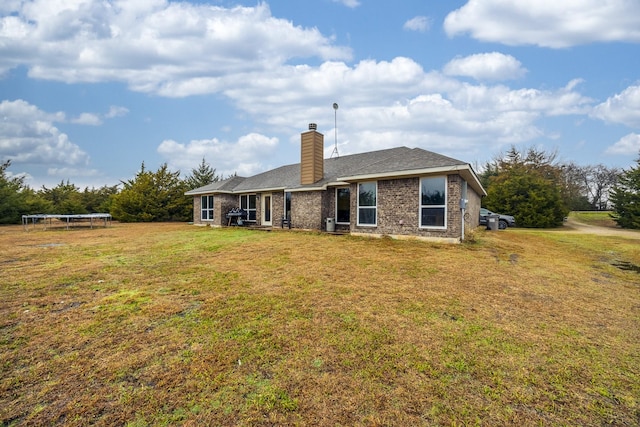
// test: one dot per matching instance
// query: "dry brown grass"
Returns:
(169, 324)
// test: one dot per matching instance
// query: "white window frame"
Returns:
(209, 209)
(375, 207)
(444, 206)
(249, 210)
(336, 199)
(266, 208)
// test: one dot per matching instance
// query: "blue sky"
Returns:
(90, 89)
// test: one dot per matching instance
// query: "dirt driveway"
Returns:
(580, 227)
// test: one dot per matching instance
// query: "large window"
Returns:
(367, 203)
(206, 208)
(433, 202)
(248, 203)
(343, 205)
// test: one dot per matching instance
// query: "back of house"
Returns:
(398, 192)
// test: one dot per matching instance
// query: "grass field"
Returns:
(599, 218)
(170, 324)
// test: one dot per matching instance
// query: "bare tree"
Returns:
(588, 187)
(601, 180)
(574, 187)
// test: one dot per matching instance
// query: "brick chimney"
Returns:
(311, 156)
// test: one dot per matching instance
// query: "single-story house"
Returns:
(397, 192)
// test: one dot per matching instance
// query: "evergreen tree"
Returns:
(98, 199)
(532, 199)
(527, 186)
(201, 176)
(152, 196)
(16, 198)
(64, 198)
(625, 198)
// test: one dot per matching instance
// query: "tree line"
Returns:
(532, 185)
(539, 191)
(148, 196)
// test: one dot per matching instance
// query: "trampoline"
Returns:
(68, 220)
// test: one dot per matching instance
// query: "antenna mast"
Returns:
(335, 127)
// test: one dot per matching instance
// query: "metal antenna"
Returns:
(335, 126)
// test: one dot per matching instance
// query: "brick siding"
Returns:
(398, 209)
(307, 209)
(222, 203)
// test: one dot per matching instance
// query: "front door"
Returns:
(266, 209)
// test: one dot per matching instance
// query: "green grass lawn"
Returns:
(170, 324)
(599, 218)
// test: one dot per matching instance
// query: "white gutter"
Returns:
(197, 193)
(259, 190)
(411, 172)
(262, 190)
(320, 188)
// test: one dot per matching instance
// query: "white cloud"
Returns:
(28, 135)
(172, 48)
(298, 94)
(241, 157)
(629, 144)
(621, 108)
(116, 111)
(93, 119)
(390, 103)
(181, 49)
(67, 172)
(486, 66)
(547, 23)
(9, 5)
(89, 119)
(349, 3)
(384, 91)
(499, 98)
(418, 23)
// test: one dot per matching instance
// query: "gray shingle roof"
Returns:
(400, 160)
(282, 177)
(403, 159)
(224, 186)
